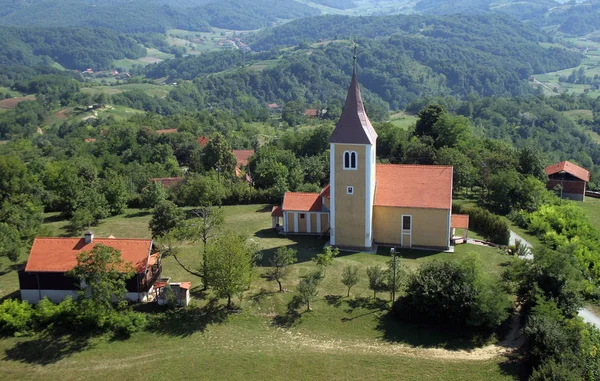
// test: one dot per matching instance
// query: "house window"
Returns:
(406, 222)
(350, 160)
(350, 190)
(301, 216)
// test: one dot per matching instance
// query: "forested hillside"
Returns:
(154, 16)
(402, 58)
(73, 48)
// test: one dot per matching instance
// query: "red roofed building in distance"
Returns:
(167, 182)
(568, 180)
(367, 203)
(242, 156)
(50, 259)
(203, 141)
(311, 113)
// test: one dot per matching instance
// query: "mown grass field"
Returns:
(341, 338)
(403, 120)
(592, 208)
(148, 88)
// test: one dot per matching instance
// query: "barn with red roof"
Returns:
(568, 180)
(367, 203)
(45, 274)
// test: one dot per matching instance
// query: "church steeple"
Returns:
(354, 126)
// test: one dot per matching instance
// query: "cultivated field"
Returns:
(341, 338)
(11, 103)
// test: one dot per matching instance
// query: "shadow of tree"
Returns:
(140, 213)
(12, 295)
(48, 348)
(396, 331)
(291, 317)
(306, 246)
(260, 296)
(265, 209)
(12, 267)
(334, 300)
(186, 321)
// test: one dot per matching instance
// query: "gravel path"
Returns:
(513, 237)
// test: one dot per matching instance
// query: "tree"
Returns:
(325, 259)
(205, 227)
(283, 258)
(395, 276)
(218, 156)
(230, 264)
(428, 117)
(308, 289)
(376, 277)
(350, 277)
(102, 273)
(166, 217)
(115, 193)
(10, 242)
(153, 194)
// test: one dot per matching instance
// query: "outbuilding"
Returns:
(568, 180)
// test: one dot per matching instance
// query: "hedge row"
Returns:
(483, 221)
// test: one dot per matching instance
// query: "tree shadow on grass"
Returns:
(371, 305)
(306, 246)
(140, 213)
(265, 209)
(12, 267)
(291, 317)
(426, 336)
(334, 300)
(48, 348)
(186, 321)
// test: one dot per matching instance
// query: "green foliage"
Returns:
(483, 221)
(453, 294)
(165, 217)
(308, 289)
(202, 190)
(11, 245)
(218, 156)
(152, 195)
(283, 258)
(101, 274)
(325, 259)
(350, 277)
(230, 262)
(376, 276)
(15, 317)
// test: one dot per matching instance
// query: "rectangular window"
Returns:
(301, 215)
(350, 190)
(406, 222)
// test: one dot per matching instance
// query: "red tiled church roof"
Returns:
(60, 254)
(326, 192)
(413, 186)
(460, 221)
(570, 168)
(354, 126)
(302, 202)
(242, 156)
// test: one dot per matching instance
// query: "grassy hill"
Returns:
(342, 337)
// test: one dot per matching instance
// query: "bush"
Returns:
(553, 370)
(16, 318)
(453, 294)
(124, 323)
(483, 221)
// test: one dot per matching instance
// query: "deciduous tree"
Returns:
(283, 258)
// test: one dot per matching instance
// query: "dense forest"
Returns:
(73, 48)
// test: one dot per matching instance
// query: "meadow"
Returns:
(340, 338)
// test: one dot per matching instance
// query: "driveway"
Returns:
(514, 237)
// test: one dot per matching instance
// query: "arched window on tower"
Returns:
(350, 160)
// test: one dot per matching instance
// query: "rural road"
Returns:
(587, 315)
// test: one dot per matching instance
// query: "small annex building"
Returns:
(367, 203)
(50, 259)
(568, 180)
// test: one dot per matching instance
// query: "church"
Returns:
(367, 203)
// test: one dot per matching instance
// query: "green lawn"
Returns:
(403, 120)
(341, 338)
(149, 88)
(592, 208)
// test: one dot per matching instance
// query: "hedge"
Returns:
(485, 222)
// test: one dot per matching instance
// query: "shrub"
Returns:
(485, 222)
(124, 323)
(16, 318)
(453, 294)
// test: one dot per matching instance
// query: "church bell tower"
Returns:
(352, 174)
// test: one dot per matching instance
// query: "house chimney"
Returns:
(89, 237)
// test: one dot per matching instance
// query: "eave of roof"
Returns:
(302, 202)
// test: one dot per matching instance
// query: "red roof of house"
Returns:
(326, 192)
(277, 211)
(242, 156)
(185, 285)
(167, 131)
(311, 112)
(273, 105)
(203, 140)
(60, 254)
(460, 221)
(414, 186)
(302, 202)
(167, 182)
(90, 140)
(570, 168)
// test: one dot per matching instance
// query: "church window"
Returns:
(350, 160)
(350, 190)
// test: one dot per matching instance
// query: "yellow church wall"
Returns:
(302, 224)
(324, 222)
(429, 226)
(313, 222)
(350, 209)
